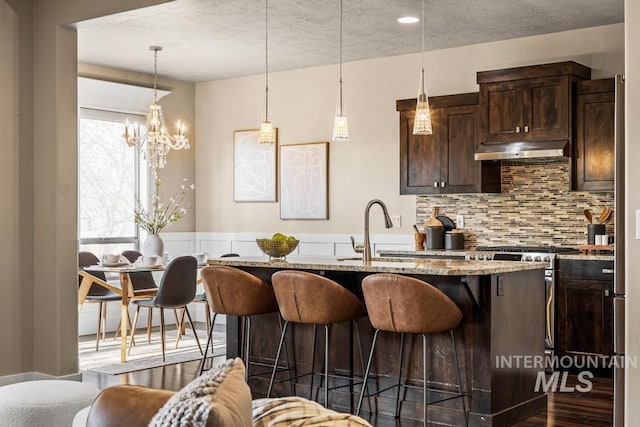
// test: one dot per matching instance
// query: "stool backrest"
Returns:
(405, 304)
(238, 293)
(178, 285)
(308, 298)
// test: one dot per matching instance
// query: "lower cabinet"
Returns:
(584, 307)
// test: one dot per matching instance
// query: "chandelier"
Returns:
(154, 141)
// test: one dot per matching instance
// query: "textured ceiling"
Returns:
(218, 39)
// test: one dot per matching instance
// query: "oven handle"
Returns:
(549, 307)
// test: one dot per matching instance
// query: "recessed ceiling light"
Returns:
(408, 20)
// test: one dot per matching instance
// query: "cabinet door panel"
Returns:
(419, 157)
(504, 111)
(546, 108)
(584, 317)
(595, 146)
(460, 129)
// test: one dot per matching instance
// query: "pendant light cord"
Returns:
(340, 94)
(422, 56)
(266, 59)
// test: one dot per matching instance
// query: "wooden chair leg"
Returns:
(133, 328)
(149, 325)
(99, 324)
(193, 328)
(104, 319)
(179, 328)
(162, 332)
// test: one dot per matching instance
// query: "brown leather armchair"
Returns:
(126, 405)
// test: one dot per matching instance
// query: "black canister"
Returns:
(453, 241)
(593, 230)
(435, 237)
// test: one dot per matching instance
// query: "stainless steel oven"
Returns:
(532, 254)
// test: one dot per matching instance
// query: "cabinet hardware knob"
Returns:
(517, 129)
(608, 271)
(606, 292)
(443, 184)
(435, 184)
(526, 128)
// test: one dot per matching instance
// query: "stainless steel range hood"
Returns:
(523, 150)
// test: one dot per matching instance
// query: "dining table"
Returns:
(125, 291)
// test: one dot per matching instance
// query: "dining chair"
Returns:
(177, 289)
(97, 294)
(144, 285)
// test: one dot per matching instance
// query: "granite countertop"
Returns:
(584, 257)
(436, 267)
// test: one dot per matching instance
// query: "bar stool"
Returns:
(410, 306)
(234, 292)
(311, 299)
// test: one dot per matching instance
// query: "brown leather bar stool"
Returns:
(311, 299)
(234, 292)
(410, 306)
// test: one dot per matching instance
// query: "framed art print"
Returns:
(304, 170)
(254, 167)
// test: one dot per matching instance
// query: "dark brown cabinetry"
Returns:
(594, 151)
(584, 307)
(444, 161)
(528, 103)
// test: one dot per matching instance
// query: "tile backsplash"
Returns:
(536, 207)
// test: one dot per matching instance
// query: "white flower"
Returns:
(158, 216)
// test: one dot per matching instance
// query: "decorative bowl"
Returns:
(277, 249)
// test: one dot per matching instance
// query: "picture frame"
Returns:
(304, 181)
(254, 167)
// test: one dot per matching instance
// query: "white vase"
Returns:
(153, 245)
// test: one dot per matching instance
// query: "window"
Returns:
(108, 183)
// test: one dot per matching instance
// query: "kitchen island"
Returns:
(503, 327)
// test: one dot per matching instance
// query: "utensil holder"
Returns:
(593, 230)
(435, 237)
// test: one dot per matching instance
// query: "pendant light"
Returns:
(267, 135)
(422, 121)
(340, 126)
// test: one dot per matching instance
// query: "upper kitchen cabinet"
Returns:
(444, 161)
(528, 103)
(594, 152)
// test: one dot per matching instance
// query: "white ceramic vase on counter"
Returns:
(153, 245)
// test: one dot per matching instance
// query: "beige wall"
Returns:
(632, 77)
(302, 106)
(43, 332)
(9, 223)
(179, 104)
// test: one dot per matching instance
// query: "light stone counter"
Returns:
(434, 267)
(582, 257)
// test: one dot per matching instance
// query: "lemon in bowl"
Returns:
(278, 246)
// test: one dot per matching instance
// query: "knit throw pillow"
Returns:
(219, 397)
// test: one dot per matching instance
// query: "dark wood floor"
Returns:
(594, 408)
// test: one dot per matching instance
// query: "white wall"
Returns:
(302, 107)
